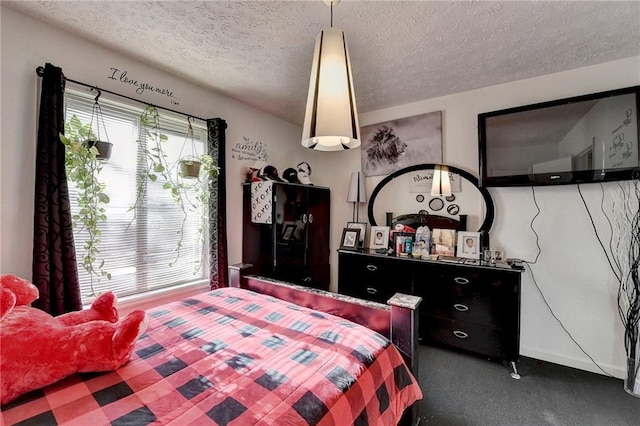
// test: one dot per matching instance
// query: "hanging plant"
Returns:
(103, 146)
(190, 168)
(188, 179)
(83, 169)
(201, 189)
(158, 169)
(196, 174)
(189, 163)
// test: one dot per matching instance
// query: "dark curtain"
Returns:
(55, 270)
(218, 206)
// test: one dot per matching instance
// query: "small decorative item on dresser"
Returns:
(379, 237)
(422, 242)
(350, 238)
(403, 243)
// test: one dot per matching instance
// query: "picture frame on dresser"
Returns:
(379, 238)
(350, 239)
(468, 245)
(363, 230)
(444, 241)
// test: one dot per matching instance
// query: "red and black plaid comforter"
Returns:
(235, 357)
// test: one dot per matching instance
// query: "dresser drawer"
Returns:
(471, 294)
(372, 278)
(471, 337)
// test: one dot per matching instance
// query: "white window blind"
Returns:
(140, 251)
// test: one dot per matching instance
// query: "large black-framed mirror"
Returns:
(489, 213)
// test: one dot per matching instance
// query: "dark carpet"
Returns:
(464, 390)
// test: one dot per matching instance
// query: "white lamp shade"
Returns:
(441, 183)
(331, 117)
(356, 189)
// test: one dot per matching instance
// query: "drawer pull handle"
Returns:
(460, 307)
(460, 334)
(461, 280)
(372, 290)
(307, 279)
(372, 268)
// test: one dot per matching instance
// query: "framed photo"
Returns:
(288, 231)
(444, 241)
(362, 226)
(350, 239)
(394, 144)
(403, 243)
(469, 245)
(379, 238)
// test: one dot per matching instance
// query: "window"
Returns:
(141, 251)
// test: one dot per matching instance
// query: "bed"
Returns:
(240, 356)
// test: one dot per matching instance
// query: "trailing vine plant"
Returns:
(83, 169)
(201, 189)
(156, 167)
(190, 195)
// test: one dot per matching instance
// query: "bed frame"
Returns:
(398, 321)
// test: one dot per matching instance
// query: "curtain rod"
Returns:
(40, 72)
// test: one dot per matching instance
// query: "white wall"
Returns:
(27, 44)
(572, 271)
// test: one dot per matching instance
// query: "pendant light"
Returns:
(331, 117)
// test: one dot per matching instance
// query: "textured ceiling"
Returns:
(259, 52)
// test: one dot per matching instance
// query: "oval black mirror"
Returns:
(488, 201)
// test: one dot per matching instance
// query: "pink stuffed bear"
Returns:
(37, 349)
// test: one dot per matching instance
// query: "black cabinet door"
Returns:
(317, 227)
(295, 245)
(289, 225)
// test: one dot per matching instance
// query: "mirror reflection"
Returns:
(408, 191)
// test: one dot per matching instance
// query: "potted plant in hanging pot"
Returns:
(190, 163)
(103, 148)
(95, 140)
(190, 167)
(83, 169)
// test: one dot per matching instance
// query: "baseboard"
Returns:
(617, 371)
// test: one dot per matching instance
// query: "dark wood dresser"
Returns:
(469, 307)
